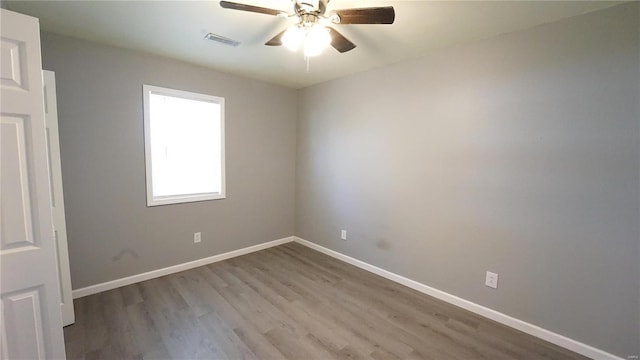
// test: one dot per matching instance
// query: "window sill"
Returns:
(168, 200)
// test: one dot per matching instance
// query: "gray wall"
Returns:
(517, 154)
(111, 232)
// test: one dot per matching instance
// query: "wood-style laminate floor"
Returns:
(287, 302)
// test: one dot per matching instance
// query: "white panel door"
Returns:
(57, 196)
(30, 319)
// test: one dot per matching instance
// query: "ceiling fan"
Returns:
(312, 32)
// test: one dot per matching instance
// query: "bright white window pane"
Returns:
(185, 146)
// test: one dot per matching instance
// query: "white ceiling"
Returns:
(176, 29)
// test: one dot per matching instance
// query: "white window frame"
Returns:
(177, 199)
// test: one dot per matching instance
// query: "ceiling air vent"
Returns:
(221, 39)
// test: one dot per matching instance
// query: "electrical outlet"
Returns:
(491, 280)
(197, 237)
(343, 234)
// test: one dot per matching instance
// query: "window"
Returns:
(184, 146)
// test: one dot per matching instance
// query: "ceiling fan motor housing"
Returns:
(308, 20)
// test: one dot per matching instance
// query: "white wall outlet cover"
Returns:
(343, 234)
(197, 237)
(491, 280)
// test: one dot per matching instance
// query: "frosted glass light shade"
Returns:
(293, 37)
(313, 39)
(316, 40)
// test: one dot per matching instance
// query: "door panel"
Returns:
(23, 311)
(17, 231)
(30, 317)
(14, 68)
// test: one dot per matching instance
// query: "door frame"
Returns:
(57, 196)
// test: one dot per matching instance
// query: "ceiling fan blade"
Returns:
(276, 40)
(374, 15)
(339, 42)
(250, 8)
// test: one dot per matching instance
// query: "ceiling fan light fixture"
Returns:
(316, 40)
(293, 37)
(313, 39)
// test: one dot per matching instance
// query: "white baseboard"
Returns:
(523, 326)
(94, 289)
